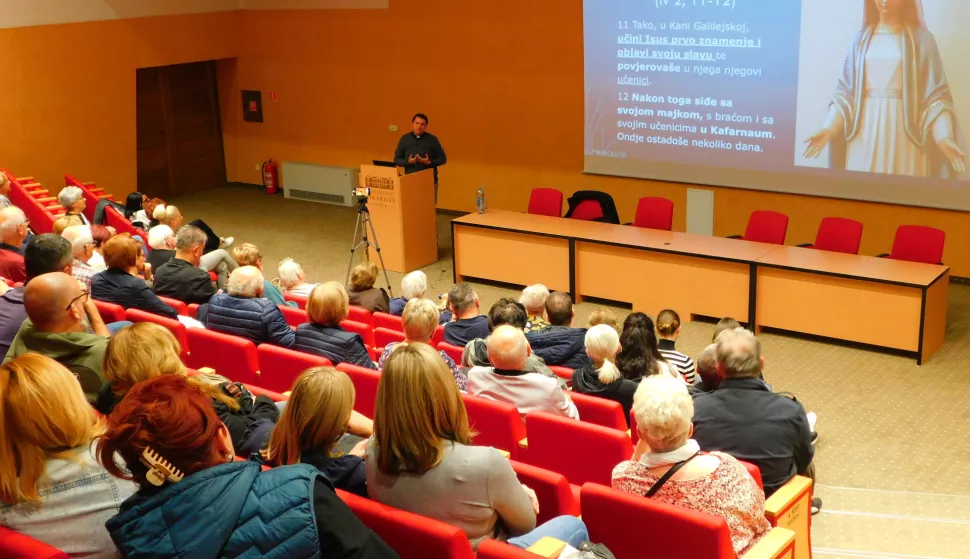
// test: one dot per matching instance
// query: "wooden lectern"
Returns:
(402, 208)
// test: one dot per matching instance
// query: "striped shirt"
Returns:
(682, 363)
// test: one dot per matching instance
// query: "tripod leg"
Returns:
(377, 247)
(353, 245)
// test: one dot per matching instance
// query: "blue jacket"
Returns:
(334, 343)
(561, 346)
(131, 292)
(397, 309)
(252, 318)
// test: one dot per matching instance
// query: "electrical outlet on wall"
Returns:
(392, 128)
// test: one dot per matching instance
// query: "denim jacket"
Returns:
(77, 497)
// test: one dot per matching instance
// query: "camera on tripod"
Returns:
(361, 193)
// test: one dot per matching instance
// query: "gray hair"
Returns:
(188, 237)
(507, 348)
(80, 237)
(534, 297)
(663, 409)
(69, 195)
(739, 352)
(245, 281)
(289, 272)
(707, 361)
(11, 217)
(414, 285)
(158, 235)
(461, 297)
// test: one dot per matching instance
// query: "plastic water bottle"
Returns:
(480, 201)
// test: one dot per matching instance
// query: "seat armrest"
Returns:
(805, 245)
(547, 547)
(524, 443)
(734, 236)
(791, 508)
(778, 543)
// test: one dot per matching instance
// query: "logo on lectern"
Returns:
(383, 183)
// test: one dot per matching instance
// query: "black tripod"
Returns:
(363, 223)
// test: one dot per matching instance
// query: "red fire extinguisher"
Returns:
(271, 177)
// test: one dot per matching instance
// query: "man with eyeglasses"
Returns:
(14, 227)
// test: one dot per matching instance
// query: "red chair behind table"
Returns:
(14, 545)
(599, 411)
(498, 424)
(365, 330)
(452, 351)
(587, 210)
(384, 337)
(179, 306)
(360, 314)
(654, 213)
(837, 234)
(230, 356)
(916, 243)
(294, 317)
(279, 367)
(546, 201)
(600, 448)
(389, 321)
(110, 312)
(365, 385)
(412, 536)
(554, 492)
(765, 227)
(174, 326)
(300, 301)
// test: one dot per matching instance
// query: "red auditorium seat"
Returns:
(654, 213)
(580, 451)
(546, 201)
(294, 317)
(437, 337)
(553, 491)
(365, 384)
(232, 357)
(365, 331)
(179, 306)
(587, 210)
(453, 351)
(389, 321)
(301, 301)
(122, 225)
(14, 545)
(384, 337)
(279, 367)
(837, 234)
(564, 373)
(755, 473)
(916, 243)
(498, 424)
(170, 324)
(194, 310)
(260, 391)
(110, 312)
(360, 314)
(599, 411)
(765, 227)
(494, 549)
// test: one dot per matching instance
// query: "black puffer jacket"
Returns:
(334, 343)
(561, 345)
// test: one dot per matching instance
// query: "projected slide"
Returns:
(862, 99)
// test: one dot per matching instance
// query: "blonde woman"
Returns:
(361, 289)
(603, 378)
(327, 307)
(318, 413)
(420, 321)
(603, 316)
(420, 459)
(51, 486)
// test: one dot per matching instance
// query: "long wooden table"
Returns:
(882, 302)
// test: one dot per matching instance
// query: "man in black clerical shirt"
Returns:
(418, 150)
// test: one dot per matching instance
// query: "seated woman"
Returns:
(135, 211)
(362, 292)
(602, 378)
(247, 254)
(323, 335)
(420, 460)
(640, 352)
(414, 286)
(100, 234)
(316, 416)
(120, 283)
(293, 279)
(146, 350)
(420, 322)
(51, 487)
(713, 483)
(195, 500)
(72, 199)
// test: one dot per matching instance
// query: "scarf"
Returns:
(657, 459)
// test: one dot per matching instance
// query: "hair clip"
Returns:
(159, 469)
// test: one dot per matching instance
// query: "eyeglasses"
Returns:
(83, 295)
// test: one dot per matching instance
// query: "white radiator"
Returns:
(319, 183)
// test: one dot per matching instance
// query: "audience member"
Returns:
(559, 343)
(726, 323)
(63, 222)
(508, 381)
(602, 378)
(120, 283)
(708, 380)
(420, 322)
(468, 323)
(4, 191)
(422, 462)
(214, 258)
(414, 286)
(362, 291)
(100, 234)
(640, 354)
(168, 215)
(73, 201)
(162, 240)
(604, 316)
(533, 298)
(82, 247)
(292, 278)
(56, 308)
(245, 313)
(316, 416)
(135, 211)
(14, 227)
(51, 486)
(247, 254)
(180, 278)
(195, 500)
(668, 328)
(669, 467)
(746, 420)
(324, 336)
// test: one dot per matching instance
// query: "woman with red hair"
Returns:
(195, 500)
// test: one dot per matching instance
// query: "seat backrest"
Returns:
(552, 489)
(300, 301)
(366, 331)
(599, 411)
(767, 227)
(580, 451)
(232, 357)
(389, 321)
(360, 314)
(272, 395)
(666, 530)
(294, 317)
(179, 306)
(121, 224)
(654, 213)
(438, 336)
(410, 535)
(41, 220)
(494, 549)
(564, 373)
(755, 473)
(587, 210)
(839, 234)
(279, 367)
(497, 424)
(546, 201)
(174, 326)
(453, 351)
(916, 243)
(110, 312)
(14, 545)
(365, 382)
(383, 337)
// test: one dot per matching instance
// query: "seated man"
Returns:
(469, 322)
(559, 343)
(82, 246)
(162, 240)
(707, 379)
(414, 286)
(508, 381)
(743, 418)
(13, 231)
(533, 298)
(245, 313)
(57, 308)
(292, 278)
(180, 278)
(247, 254)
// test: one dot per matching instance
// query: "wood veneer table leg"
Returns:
(511, 257)
(934, 317)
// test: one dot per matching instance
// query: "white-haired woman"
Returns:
(602, 378)
(73, 201)
(420, 320)
(533, 298)
(712, 483)
(415, 286)
(293, 279)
